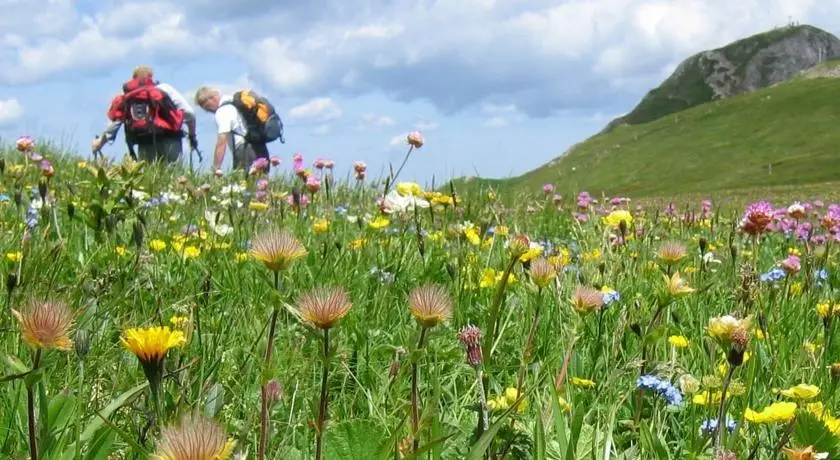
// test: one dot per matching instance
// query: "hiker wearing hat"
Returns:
(153, 115)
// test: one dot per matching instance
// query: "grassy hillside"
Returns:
(781, 136)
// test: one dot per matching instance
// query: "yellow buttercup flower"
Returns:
(780, 412)
(801, 391)
(151, 344)
(582, 383)
(258, 206)
(511, 394)
(379, 223)
(409, 189)
(121, 251)
(191, 252)
(14, 256)
(678, 341)
(157, 245)
(615, 218)
(471, 233)
(321, 226)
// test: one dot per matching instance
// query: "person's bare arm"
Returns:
(221, 145)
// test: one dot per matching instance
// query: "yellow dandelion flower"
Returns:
(121, 251)
(14, 256)
(151, 344)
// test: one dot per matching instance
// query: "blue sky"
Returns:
(497, 87)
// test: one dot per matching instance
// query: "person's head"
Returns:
(142, 71)
(207, 98)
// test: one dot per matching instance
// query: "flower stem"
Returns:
(721, 428)
(263, 394)
(30, 404)
(399, 170)
(415, 412)
(322, 408)
(495, 307)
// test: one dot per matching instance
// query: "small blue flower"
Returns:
(661, 387)
(611, 296)
(709, 426)
(341, 209)
(774, 274)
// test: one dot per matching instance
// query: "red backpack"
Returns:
(146, 112)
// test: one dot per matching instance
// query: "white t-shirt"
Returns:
(228, 120)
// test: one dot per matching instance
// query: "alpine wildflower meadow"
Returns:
(314, 312)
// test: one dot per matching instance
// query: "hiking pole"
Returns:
(200, 158)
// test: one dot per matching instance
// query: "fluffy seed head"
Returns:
(585, 299)
(194, 438)
(46, 324)
(671, 252)
(324, 306)
(277, 249)
(542, 271)
(430, 304)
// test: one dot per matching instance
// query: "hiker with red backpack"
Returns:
(152, 114)
(246, 122)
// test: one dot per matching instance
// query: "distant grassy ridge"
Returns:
(784, 136)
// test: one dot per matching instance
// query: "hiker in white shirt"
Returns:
(231, 129)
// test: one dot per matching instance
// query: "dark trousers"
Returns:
(247, 153)
(164, 149)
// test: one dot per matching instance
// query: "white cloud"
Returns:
(496, 122)
(371, 121)
(103, 39)
(10, 110)
(398, 140)
(318, 109)
(275, 60)
(321, 130)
